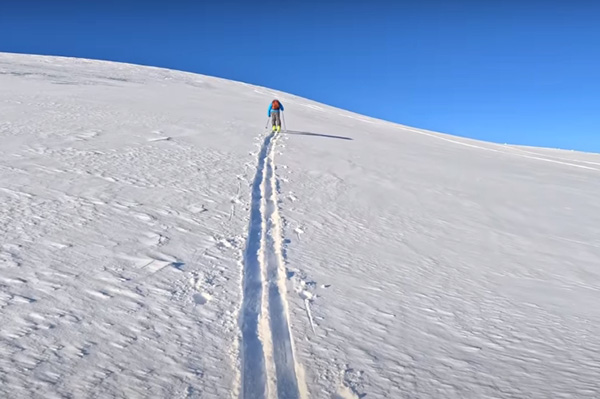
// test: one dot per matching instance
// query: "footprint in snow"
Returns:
(302, 285)
(353, 382)
(202, 298)
(306, 295)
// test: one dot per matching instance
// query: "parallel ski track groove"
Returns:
(253, 359)
(263, 256)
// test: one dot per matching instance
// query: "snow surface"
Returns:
(157, 242)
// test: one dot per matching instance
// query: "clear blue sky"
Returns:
(523, 72)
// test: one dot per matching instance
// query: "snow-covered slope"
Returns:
(157, 242)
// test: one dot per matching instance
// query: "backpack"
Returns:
(275, 104)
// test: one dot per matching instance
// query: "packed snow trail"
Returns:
(253, 365)
(283, 353)
(268, 311)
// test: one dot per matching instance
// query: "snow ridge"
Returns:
(266, 336)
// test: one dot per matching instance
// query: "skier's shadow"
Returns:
(296, 133)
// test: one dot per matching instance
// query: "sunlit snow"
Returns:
(158, 242)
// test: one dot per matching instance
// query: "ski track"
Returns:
(264, 305)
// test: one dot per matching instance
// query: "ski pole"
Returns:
(283, 120)
(267, 125)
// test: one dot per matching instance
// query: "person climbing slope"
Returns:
(275, 110)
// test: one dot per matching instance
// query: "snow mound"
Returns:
(157, 242)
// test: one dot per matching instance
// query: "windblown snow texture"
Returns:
(157, 244)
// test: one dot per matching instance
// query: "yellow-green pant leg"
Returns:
(276, 119)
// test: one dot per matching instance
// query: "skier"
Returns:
(275, 110)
